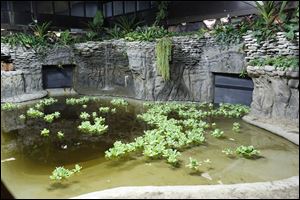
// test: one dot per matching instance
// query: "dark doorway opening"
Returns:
(230, 88)
(57, 77)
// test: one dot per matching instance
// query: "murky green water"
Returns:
(32, 158)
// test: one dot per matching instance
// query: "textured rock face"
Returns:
(128, 69)
(12, 84)
(275, 94)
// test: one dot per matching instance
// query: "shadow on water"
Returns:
(61, 185)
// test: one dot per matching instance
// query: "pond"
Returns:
(28, 158)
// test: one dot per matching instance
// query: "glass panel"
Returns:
(61, 7)
(118, 7)
(44, 7)
(142, 5)
(4, 5)
(21, 6)
(129, 6)
(108, 9)
(91, 8)
(77, 8)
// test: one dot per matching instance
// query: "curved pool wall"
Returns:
(127, 69)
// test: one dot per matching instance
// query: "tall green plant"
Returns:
(41, 30)
(163, 56)
(127, 24)
(162, 12)
(270, 10)
(97, 24)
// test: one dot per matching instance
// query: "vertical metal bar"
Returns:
(84, 8)
(69, 7)
(53, 7)
(112, 9)
(123, 3)
(135, 6)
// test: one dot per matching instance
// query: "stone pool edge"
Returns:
(282, 189)
(279, 189)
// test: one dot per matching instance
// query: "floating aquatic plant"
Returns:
(217, 133)
(33, 113)
(9, 106)
(247, 151)
(45, 132)
(61, 173)
(119, 102)
(236, 127)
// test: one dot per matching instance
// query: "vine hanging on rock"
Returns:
(163, 57)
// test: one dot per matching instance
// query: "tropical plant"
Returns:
(33, 113)
(22, 117)
(127, 24)
(104, 109)
(80, 101)
(228, 152)
(119, 102)
(50, 117)
(96, 25)
(162, 11)
(61, 173)
(115, 32)
(9, 106)
(236, 127)
(98, 128)
(279, 62)
(193, 164)
(84, 115)
(45, 132)
(40, 30)
(66, 38)
(146, 33)
(217, 133)
(60, 134)
(163, 52)
(247, 151)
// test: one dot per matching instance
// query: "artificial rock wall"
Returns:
(276, 91)
(128, 69)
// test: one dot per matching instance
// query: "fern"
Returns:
(163, 56)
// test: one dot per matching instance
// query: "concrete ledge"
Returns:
(61, 92)
(282, 189)
(292, 134)
(25, 97)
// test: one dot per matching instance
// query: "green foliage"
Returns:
(45, 132)
(279, 62)
(236, 127)
(127, 24)
(41, 30)
(247, 151)
(115, 32)
(172, 156)
(98, 128)
(60, 134)
(104, 109)
(162, 11)
(217, 133)
(22, 117)
(50, 117)
(9, 106)
(96, 25)
(60, 173)
(119, 102)
(66, 38)
(163, 52)
(269, 10)
(228, 34)
(84, 106)
(33, 113)
(84, 115)
(146, 34)
(229, 152)
(231, 110)
(193, 164)
(75, 101)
